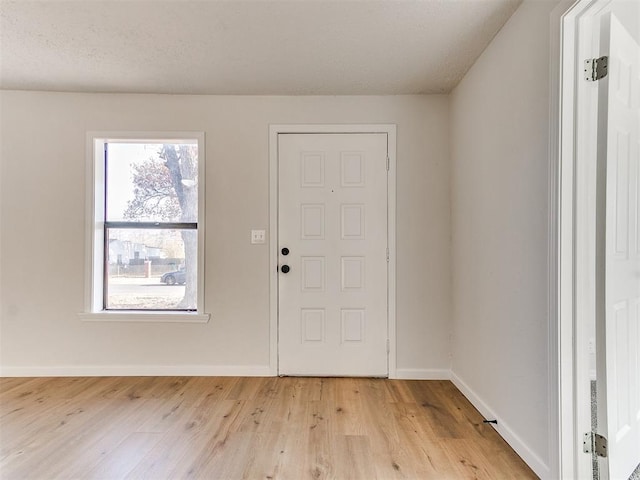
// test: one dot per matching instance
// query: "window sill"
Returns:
(146, 317)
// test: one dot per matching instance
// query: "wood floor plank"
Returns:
(64, 422)
(124, 458)
(185, 447)
(232, 428)
(86, 442)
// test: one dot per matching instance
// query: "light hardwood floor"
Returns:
(245, 428)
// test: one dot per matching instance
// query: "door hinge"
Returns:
(594, 443)
(387, 163)
(595, 68)
(388, 346)
(387, 254)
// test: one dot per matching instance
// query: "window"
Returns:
(146, 232)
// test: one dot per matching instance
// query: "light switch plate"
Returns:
(258, 236)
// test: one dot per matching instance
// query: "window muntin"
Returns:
(147, 224)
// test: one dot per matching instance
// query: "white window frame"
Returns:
(94, 274)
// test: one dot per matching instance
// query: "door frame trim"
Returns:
(274, 131)
(569, 333)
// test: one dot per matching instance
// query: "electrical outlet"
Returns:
(258, 236)
(592, 346)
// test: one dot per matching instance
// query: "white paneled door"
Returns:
(332, 254)
(619, 250)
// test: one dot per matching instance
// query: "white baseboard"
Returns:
(139, 371)
(534, 461)
(185, 371)
(422, 374)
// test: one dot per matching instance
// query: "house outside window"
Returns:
(146, 228)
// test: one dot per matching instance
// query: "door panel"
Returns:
(332, 216)
(619, 256)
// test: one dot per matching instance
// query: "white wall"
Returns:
(499, 153)
(42, 237)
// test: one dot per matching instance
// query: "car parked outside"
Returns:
(171, 278)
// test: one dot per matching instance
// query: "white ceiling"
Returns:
(269, 47)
